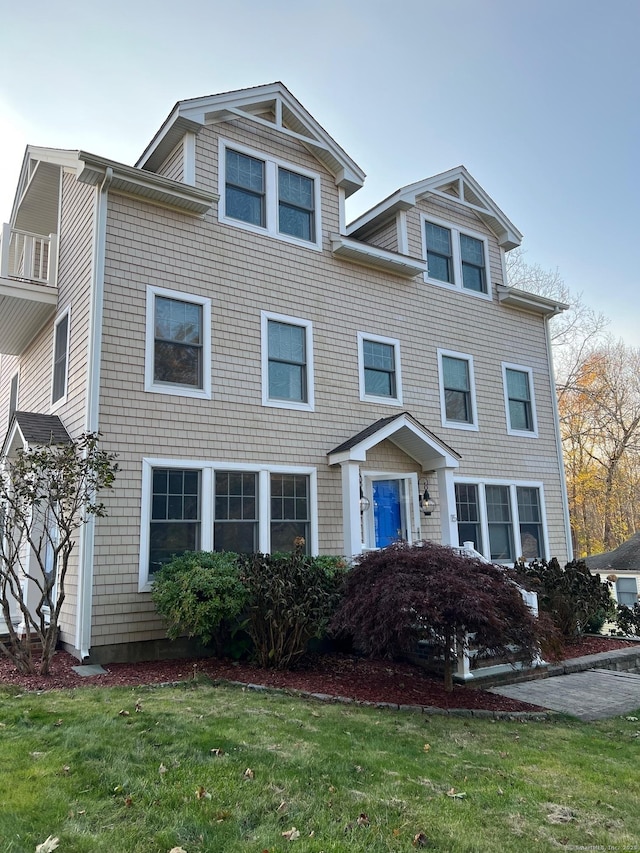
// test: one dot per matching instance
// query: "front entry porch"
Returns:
(383, 506)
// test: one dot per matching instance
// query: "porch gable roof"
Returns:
(34, 428)
(405, 432)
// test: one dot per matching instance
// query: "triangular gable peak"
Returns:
(29, 429)
(457, 185)
(405, 432)
(271, 106)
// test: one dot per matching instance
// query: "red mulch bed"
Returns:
(337, 675)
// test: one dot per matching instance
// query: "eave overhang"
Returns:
(406, 433)
(286, 114)
(365, 254)
(524, 301)
(129, 180)
(25, 307)
(454, 186)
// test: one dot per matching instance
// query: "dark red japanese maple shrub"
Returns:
(404, 593)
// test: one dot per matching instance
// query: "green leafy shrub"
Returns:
(292, 597)
(571, 596)
(627, 620)
(404, 593)
(202, 595)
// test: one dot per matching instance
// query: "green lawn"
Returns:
(207, 768)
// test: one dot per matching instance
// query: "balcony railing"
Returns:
(25, 256)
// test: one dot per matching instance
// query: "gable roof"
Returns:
(624, 558)
(285, 114)
(405, 432)
(454, 185)
(34, 428)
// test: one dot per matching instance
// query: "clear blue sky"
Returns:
(539, 99)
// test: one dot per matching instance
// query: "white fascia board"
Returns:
(515, 298)
(373, 256)
(153, 188)
(62, 157)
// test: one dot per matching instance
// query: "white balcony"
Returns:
(28, 286)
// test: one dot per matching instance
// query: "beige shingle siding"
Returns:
(243, 273)
(173, 166)
(386, 237)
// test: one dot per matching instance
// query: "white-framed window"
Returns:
(627, 591)
(269, 196)
(379, 369)
(456, 257)
(60, 369)
(178, 343)
(190, 505)
(457, 390)
(13, 394)
(503, 520)
(519, 400)
(287, 362)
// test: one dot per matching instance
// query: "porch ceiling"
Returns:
(24, 309)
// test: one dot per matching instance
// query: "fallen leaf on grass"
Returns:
(291, 834)
(202, 793)
(248, 773)
(420, 840)
(456, 795)
(66, 769)
(282, 808)
(177, 850)
(427, 747)
(58, 723)
(123, 713)
(48, 845)
(128, 801)
(138, 706)
(218, 753)
(363, 820)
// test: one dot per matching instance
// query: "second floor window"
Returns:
(178, 342)
(379, 363)
(519, 402)
(178, 348)
(60, 359)
(287, 362)
(456, 388)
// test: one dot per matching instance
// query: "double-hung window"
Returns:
(287, 362)
(519, 400)
(244, 188)
(269, 196)
(504, 521)
(60, 359)
(457, 392)
(178, 343)
(379, 367)
(455, 257)
(627, 591)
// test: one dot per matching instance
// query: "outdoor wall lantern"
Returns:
(427, 504)
(365, 503)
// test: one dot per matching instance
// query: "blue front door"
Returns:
(387, 512)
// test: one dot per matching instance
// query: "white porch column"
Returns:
(351, 522)
(447, 499)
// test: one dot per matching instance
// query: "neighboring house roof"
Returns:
(285, 114)
(457, 185)
(625, 558)
(34, 428)
(407, 433)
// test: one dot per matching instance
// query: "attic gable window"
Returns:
(269, 196)
(244, 197)
(456, 258)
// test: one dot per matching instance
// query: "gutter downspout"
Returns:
(91, 420)
(556, 425)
